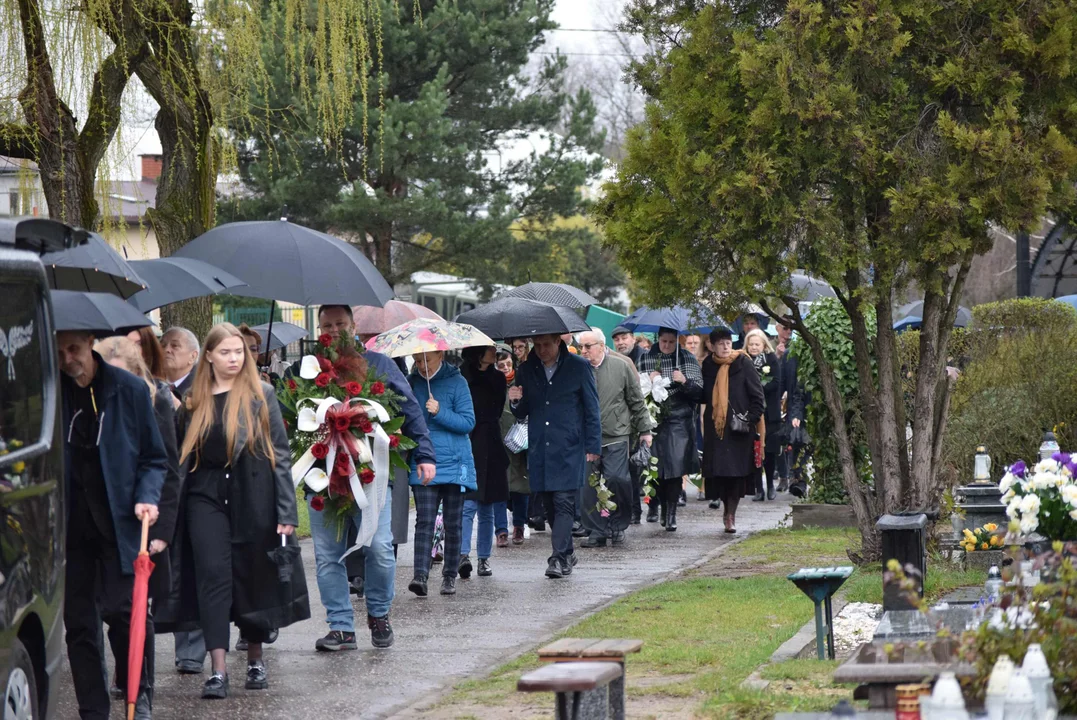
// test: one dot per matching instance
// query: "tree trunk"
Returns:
(894, 448)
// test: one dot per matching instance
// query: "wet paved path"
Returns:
(441, 640)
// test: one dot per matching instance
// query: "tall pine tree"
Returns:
(422, 179)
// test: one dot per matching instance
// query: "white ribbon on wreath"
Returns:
(371, 496)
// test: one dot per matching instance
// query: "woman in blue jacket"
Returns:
(450, 416)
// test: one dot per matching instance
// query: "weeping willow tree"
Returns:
(65, 69)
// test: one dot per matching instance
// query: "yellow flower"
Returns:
(991, 527)
(995, 540)
(968, 534)
(893, 565)
(969, 547)
(983, 546)
(18, 467)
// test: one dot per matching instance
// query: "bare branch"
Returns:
(18, 141)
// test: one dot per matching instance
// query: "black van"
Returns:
(32, 509)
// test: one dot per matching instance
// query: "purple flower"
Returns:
(1061, 458)
(1019, 469)
(1072, 467)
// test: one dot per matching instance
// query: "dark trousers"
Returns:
(770, 468)
(614, 469)
(537, 507)
(519, 505)
(210, 531)
(427, 499)
(636, 473)
(97, 589)
(560, 512)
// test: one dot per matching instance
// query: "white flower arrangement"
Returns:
(1044, 501)
(655, 392)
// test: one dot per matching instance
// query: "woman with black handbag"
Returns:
(733, 414)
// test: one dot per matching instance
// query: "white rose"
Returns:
(766, 369)
(1030, 505)
(1007, 496)
(1048, 465)
(1006, 482)
(1069, 495)
(1029, 523)
(1013, 508)
(1073, 514)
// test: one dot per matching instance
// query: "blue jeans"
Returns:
(333, 576)
(518, 503)
(486, 527)
(501, 517)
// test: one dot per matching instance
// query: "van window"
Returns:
(21, 375)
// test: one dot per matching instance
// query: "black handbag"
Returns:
(738, 422)
(799, 436)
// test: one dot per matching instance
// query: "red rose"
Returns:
(353, 389)
(378, 388)
(319, 450)
(325, 339)
(341, 423)
(365, 426)
(366, 476)
(342, 462)
(322, 380)
(291, 384)
(317, 503)
(394, 441)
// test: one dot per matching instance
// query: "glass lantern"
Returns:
(981, 466)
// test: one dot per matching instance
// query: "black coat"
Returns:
(168, 507)
(261, 497)
(488, 394)
(772, 394)
(734, 454)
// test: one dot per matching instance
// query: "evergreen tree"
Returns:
(424, 184)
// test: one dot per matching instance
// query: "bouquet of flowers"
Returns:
(605, 504)
(982, 538)
(345, 424)
(766, 375)
(655, 392)
(1045, 500)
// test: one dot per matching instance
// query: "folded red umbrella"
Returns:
(136, 646)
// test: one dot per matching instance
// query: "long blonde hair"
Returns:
(768, 347)
(131, 354)
(246, 389)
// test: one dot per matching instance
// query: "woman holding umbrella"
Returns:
(488, 394)
(240, 509)
(443, 393)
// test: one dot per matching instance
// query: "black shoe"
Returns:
(652, 511)
(683, 499)
(537, 525)
(448, 584)
(715, 505)
(116, 692)
(671, 519)
(484, 568)
(336, 640)
(771, 494)
(636, 517)
(593, 541)
(357, 586)
(553, 570)
(256, 676)
(381, 631)
(216, 688)
(272, 637)
(418, 585)
(618, 537)
(578, 530)
(662, 514)
(144, 705)
(759, 497)
(568, 564)
(241, 645)
(465, 566)
(783, 485)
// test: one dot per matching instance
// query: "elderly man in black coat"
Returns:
(556, 392)
(115, 468)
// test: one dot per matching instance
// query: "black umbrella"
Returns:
(553, 293)
(92, 266)
(172, 279)
(519, 317)
(100, 313)
(284, 558)
(284, 333)
(282, 261)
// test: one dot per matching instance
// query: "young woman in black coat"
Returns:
(769, 369)
(731, 391)
(239, 509)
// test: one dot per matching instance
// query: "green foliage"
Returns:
(1024, 315)
(1015, 387)
(830, 323)
(433, 187)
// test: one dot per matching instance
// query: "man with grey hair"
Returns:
(180, 347)
(623, 414)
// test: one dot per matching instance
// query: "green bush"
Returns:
(830, 323)
(1024, 315)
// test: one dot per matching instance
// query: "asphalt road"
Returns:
(440, 640)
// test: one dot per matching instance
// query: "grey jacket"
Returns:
(620, 400)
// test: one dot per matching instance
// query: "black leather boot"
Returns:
(671, 518)
(652, 510)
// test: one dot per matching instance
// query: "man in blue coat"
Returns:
(115, 465)
(556, 392)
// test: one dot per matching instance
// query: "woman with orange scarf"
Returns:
(733, 421)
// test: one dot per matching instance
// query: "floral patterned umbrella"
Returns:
(423, 336)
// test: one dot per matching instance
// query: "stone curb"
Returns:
(431, 698)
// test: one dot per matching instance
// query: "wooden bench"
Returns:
(583, 688)
(573, 650)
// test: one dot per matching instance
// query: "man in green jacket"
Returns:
(623, 414)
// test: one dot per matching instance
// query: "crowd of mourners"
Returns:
(187, 434)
